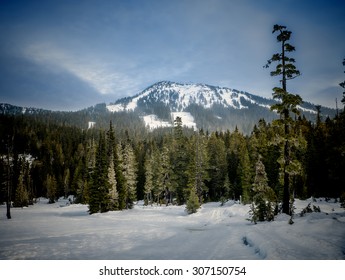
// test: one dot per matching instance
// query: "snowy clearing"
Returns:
(62, 231)
(153, 122)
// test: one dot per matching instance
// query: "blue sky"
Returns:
(67, 55)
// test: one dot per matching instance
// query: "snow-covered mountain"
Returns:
(180, 96)
(199, 106)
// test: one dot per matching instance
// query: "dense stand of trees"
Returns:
(178, 166)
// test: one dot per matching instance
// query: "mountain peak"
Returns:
(178, 97)
(159, 104)
(198, 105)
(201, 106)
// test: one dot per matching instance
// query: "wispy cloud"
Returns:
(101, 75)
(118, 48)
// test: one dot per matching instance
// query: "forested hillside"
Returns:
(111, 169)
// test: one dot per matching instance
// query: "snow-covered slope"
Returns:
(219, 107)
(153, 122)
(176, 99)
(66, 231)
(199, 105)
(180, 96)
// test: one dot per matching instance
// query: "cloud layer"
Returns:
(85, 53)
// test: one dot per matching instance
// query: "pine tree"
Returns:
(81, 176)
(114, 152)
(165, 177)
(113, 194)
(288, 103)
(245, 174)
(99, 199)
(179, 161)
(217, 166)
(129, 171)
(149, 175)
(228, 190)
(91, 156)
(239, 168)
(113, 168)
(22, 195)
(198, 167)
(193, 204)
(263, 143)
(262, 208)
(82, 191)
(28, 182)
(51, 188)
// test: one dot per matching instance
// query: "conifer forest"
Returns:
(178, 166)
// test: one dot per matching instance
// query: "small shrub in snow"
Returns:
(308, 209)
(305, 210)
(222, 201)
(316, 208)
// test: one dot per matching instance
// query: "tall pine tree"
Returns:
(51, 188)
(180, 160)
(198, 167)
(114, 154)
(287, 104)
(129, 171)
(149, 177)
(165, 182)
(115, 177)
(217, 167)
(113, 194)
(99, 199)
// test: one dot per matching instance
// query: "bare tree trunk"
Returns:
(8, 209)
(286, 190)
(9, 183)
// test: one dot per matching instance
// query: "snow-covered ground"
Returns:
(63, 231)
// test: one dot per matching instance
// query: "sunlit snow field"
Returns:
(63, 231)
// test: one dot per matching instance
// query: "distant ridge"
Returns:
(9, 109)
(200, 106)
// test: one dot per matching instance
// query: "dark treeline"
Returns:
(110, 169)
